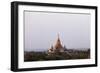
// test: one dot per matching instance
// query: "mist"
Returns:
(41, 29)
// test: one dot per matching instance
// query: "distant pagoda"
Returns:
(57, 48)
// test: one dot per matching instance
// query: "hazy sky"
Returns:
(41, 29)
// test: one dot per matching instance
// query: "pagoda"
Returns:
(57, 48)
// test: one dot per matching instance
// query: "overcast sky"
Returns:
(41, 29)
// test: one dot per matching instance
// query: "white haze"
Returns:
(41, 29)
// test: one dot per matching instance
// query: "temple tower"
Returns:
(57, 47)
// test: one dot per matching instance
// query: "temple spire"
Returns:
(58, 42)
(58, 38)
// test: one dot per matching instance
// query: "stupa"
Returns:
(57, 48)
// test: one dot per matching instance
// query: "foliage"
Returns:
(67, 55)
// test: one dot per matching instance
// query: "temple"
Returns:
(57, 48)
